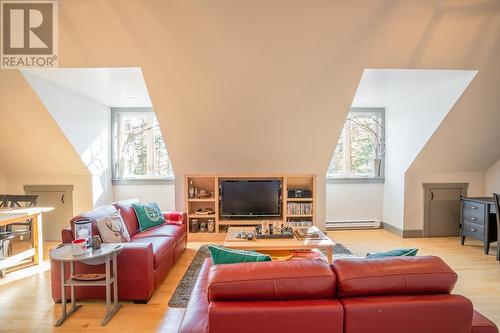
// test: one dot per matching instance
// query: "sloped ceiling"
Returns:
(265, 85)
(31, 143)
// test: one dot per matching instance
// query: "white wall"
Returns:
(82, 187)
(414, 195)
(163, 194)
(415, 102)
(492, 179)
(86, 124)
(353, 202)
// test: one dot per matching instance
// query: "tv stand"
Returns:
(292, 209)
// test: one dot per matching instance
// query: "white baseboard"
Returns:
(360, 224)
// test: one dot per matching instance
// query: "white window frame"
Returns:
(115, 137)
(348, 177)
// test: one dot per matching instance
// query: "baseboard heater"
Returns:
(359, 224)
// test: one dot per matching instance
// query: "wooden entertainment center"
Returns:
(208, 197)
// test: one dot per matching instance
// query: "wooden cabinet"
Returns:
(292, 209)
(478, 220)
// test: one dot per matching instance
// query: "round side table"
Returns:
(104, 255)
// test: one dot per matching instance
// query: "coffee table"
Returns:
(277, 244)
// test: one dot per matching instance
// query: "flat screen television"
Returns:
(250, 197)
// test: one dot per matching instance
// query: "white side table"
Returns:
(106, 254)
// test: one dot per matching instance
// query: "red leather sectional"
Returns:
(390, 295)
(142, 264)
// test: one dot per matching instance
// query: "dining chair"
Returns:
(3, 200)
(497, 207)
(22, 201)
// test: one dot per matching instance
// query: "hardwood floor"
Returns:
(26, 305)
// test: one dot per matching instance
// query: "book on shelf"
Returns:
(299, 208)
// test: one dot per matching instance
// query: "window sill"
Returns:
(356, 180)
(144, 181)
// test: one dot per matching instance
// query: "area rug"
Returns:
(182, 293)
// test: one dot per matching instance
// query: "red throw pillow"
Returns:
(173, 217)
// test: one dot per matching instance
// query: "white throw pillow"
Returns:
(112, 229)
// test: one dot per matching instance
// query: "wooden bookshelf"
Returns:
(211, 184)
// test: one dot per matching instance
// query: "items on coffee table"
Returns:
(309, 233)
(273, 231)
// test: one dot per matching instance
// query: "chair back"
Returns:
(22, 201)
(4, 201)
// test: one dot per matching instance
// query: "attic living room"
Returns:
(250, 166)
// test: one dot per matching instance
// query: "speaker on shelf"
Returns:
(299, 193)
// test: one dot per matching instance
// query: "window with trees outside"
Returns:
(361, 147)
(139, 151)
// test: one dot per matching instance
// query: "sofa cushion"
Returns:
(163, 247)
(128, 215)
(393, 276)
(93, 215)
(481, 324)
(275, 280)
(441, 313)
(170, 230)
(223, 255)
(149, 215)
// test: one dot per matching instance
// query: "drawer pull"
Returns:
(473, 218)
(473, 229)
(474, 207)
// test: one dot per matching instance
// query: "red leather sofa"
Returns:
(142, 264)
(390, 295)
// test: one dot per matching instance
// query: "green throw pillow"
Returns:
(394, 253)
(223, 255)
(148, 215)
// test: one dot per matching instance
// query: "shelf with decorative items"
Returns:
(300, 203)
(203, 199)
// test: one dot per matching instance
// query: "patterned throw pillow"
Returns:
(149, 215)
(112, 229)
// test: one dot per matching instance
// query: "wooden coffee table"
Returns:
(277, 244)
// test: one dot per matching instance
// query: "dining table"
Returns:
(15, 215)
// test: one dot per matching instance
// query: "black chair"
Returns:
(4, 200)
(497, 207)
(22, 201)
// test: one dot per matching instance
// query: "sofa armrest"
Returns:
(175, 216)
(67, 235)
